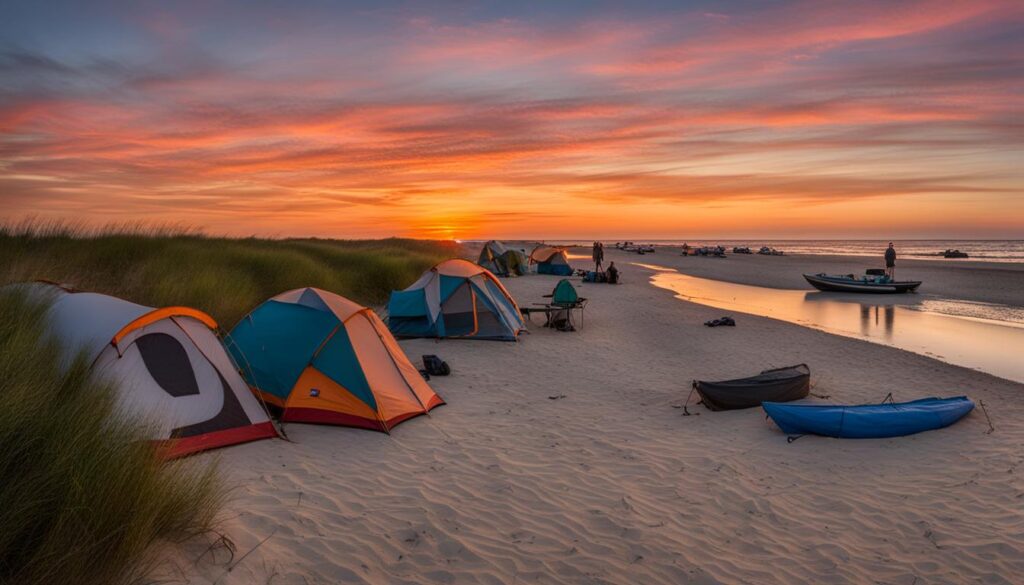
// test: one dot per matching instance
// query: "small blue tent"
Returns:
(456, 298)
(551, 261)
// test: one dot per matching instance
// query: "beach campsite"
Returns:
(445, 293)
(591, 436)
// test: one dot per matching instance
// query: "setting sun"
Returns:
(668, 122)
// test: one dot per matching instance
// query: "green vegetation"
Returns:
(222, 276)
(83, 498)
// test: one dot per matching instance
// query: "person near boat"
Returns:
(890, 261)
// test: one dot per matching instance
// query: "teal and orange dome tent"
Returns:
(322, 358)
(456, 298)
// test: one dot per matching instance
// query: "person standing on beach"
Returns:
(598, 256)
(890, 262)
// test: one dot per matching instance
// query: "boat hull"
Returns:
(868, 421)
(778, 385)
(831, 284)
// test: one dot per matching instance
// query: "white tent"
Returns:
(169, 366)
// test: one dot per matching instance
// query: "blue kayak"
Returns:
(868, 421)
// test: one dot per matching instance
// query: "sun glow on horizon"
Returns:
(790, 120)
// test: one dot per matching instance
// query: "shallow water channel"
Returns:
(988, 338)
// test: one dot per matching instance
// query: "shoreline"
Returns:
(970, 280)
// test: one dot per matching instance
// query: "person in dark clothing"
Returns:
(890, 261)
(613, 274)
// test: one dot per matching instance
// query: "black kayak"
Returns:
(864, 284)
(778, 385)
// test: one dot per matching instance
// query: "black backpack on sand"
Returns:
(436, 366)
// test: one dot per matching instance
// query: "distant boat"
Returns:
(954, 254)
(869, 283)
(713, 251)
(636, 248)
(868, 421)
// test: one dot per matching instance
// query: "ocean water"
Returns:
(981, 336)
(986, 250)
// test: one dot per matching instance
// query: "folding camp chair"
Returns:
(565, 299)
(546, 310)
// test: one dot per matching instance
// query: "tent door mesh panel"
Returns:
(459, 312)
(488, 324)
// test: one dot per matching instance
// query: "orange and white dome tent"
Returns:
(168, 364)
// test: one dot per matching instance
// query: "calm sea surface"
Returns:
(990, 250)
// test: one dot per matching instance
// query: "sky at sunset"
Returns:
(551, 120)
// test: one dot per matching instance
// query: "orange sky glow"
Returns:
(678, 120)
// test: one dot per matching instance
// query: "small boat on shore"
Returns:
(635, 248)
(711, 251)
(868, 421)
(954, 254)
(778, 385)
(869, 283)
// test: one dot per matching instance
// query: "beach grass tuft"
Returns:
(167, 265)
(84, 499)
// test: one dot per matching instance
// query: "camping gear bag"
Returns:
(436, 366)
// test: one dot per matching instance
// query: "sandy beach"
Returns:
(566, 458)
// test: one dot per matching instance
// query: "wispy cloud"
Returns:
(342, 121)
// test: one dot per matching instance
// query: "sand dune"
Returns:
(609, 483)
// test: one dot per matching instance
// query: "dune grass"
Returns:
(83, 498)
(162, 266)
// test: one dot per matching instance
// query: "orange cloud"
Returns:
(461, 127)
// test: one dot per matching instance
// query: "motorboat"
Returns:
(874, 281)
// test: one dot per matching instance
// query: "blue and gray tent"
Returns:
(456, 298)
(551, 260)
(503, 260)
